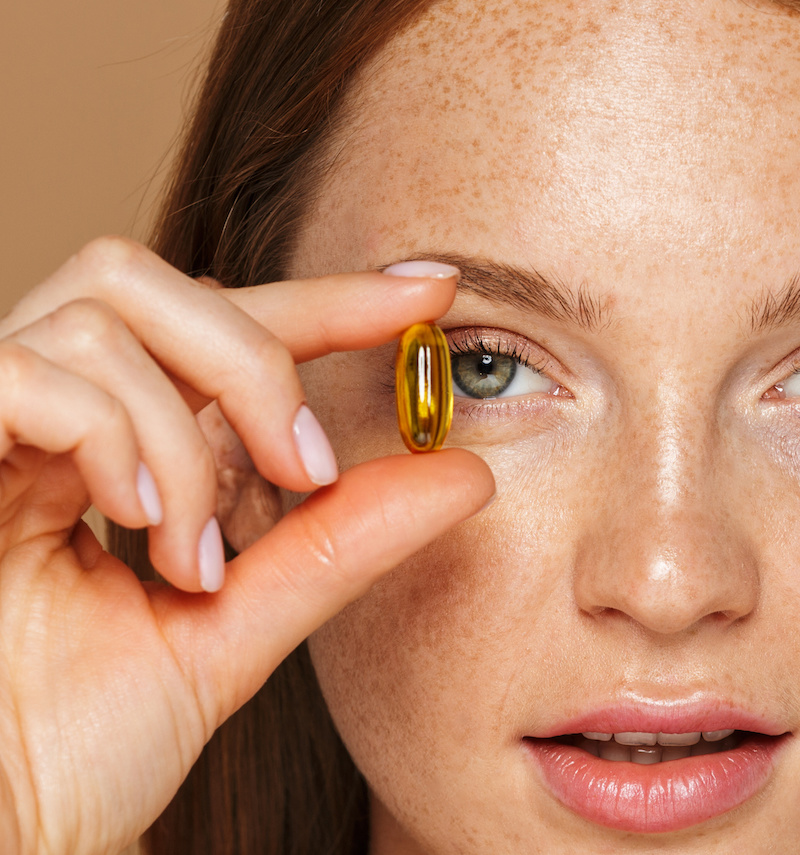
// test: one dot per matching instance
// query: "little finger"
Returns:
(99, 347)
(47, 407)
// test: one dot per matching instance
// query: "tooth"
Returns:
(600, 737)
(614, 751)
(715, 735)
(678, 738)
(646, 756)
(636, 738)
(675, 752)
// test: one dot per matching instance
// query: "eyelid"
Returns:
(780, 387)
(782, 372)
(465, 340)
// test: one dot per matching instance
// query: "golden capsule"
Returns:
(424, 387)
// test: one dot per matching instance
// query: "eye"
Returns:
(788, 388)
(486, 367)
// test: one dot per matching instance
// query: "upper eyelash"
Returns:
(475, 342)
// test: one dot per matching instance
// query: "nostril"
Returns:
(666, 583)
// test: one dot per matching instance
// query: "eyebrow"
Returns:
(532, 291)
(773, 309)
(529, 291)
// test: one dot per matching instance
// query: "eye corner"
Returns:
(774, 393)
(563, 392)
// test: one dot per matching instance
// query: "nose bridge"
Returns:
(675, 442)
(671, 450)
(665, 549)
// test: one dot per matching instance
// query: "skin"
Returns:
(109, 688)
(642, 539)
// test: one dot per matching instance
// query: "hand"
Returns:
(109, 688)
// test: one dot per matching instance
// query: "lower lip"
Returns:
(658, 798)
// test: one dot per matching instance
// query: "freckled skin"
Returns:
(646, 534)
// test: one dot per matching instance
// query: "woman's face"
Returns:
(620, 183)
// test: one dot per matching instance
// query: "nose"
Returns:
(667, 548)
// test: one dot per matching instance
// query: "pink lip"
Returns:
(666, 796)
(686, 716)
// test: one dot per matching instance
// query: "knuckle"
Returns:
(204, 468)
(17, 368)
(191, 460)
(321, 543)
(112, 257)
(114, 418)
(321, 569)
(86, 323)
(270, 358)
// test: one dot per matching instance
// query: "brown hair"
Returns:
(275, 778)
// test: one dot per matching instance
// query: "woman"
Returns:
(606, 658)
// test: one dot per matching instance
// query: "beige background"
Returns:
(92, 98)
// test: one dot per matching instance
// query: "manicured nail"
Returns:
(423, 270)
(314, 449)
(211, 557)
(148, 495)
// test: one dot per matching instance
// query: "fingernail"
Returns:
(423, 269)
(148, 495)
(211, 557)
(314, 449)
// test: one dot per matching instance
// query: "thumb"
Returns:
(324, 554)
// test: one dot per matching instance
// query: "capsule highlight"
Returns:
(424, 388)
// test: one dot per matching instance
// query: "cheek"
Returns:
(479, 611)
(424, 675)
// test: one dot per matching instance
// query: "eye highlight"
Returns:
(489, 364)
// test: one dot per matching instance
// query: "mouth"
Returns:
(655, 781)
(647, 749)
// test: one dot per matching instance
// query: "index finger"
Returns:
(348, 311)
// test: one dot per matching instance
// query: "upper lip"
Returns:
(680, 715)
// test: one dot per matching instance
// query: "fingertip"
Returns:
(190, 558)
(314, 448)
(421, 286)
(479, 482)
(211, 557)
(148, 496)
(422, 269)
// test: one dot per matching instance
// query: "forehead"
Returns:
(537, 133)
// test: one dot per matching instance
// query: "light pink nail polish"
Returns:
(211, 557)
(422, 270)
(148, 495)
(314, 449)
